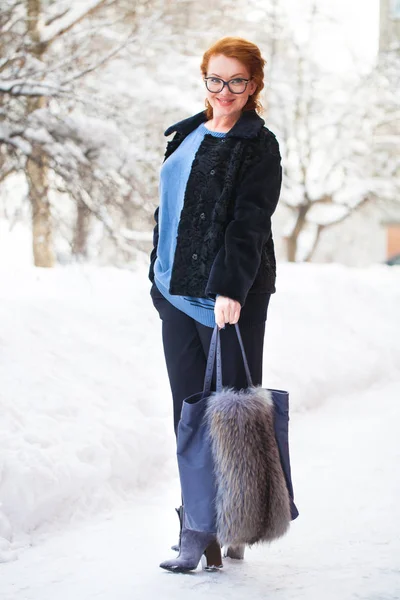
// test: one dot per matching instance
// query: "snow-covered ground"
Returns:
(87, 471)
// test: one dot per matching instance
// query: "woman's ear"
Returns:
(253, 87)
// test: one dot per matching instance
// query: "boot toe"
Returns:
(177, 567)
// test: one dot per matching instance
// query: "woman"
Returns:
(213, 258)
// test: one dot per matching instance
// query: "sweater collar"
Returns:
(247, 126)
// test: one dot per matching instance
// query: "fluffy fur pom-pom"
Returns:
(252, 498)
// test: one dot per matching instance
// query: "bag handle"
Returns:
(212, 352)
(245, 363)
(215, 359)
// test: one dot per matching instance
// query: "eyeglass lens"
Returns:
(236, 86)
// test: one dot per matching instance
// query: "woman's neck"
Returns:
(222, 123)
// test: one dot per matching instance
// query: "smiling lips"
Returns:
(225, 101)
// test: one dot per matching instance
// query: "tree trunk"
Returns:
(36, 166)
(313, 248)
(292, 239)
(42, 238)
(79, 245)
(291, 248)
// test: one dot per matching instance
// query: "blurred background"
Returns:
(88, 87)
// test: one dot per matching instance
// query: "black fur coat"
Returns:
(224, 243)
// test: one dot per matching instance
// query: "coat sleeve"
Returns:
(171, 145)
(153, 255)
(237, 262)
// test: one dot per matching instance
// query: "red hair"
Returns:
(249, 55)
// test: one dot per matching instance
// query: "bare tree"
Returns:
(47, 53)
(327, 123)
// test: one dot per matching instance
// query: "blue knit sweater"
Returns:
(173, 179)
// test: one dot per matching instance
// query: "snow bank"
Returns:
(84, 397)
(331, 330)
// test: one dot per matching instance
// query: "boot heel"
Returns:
(213, 557)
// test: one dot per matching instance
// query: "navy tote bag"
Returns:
(207, 492)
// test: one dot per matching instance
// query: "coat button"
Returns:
(212, 172)
(194, 256)
(203, 216)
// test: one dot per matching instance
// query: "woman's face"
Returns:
(226, 103)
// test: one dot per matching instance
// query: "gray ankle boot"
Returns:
(236, 552)
(179, 512)
(192, 546)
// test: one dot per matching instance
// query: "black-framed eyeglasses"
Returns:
(237, 85)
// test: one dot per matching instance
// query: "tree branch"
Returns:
(32, 88)
(315, 244)
(101, 62)
(7, 173)
(321, 228)
(51, 20)
(51, 32)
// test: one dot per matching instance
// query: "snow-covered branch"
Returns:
(55, 17)
(68, 20)
(96, 65)
(27, 87)
(7, 172)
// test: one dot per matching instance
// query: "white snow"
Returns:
(87, 469)
(77, 408)
(15, 238)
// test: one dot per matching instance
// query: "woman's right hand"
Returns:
(226, 310)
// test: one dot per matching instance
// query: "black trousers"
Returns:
(186, 343)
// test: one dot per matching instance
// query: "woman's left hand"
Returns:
(226, 311)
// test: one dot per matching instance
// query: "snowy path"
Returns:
(344, 546)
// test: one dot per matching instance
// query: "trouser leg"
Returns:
(184, 353)
(185, 360)
(186, 365)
